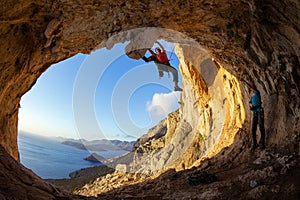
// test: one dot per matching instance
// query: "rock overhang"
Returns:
(254, 41)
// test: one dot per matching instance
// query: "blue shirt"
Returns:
(256, 102)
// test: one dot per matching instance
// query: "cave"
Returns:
(246, 44)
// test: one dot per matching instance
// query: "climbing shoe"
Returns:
(176, 88)
(145, 59)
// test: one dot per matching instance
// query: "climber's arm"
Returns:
(152, 52)
(161, 46)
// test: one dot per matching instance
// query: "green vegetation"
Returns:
(198, 140)
(77, 189)
(287, 84)
(232, 33)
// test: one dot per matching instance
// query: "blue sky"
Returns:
(101, 95)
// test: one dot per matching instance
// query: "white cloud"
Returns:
(163, 104)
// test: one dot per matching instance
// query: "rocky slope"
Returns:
(260, 175)
(250, 42)
(81, 177)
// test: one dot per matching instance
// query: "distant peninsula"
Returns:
(99, 145)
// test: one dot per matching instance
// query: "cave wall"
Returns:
(256, 41)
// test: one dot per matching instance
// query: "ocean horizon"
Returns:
(50, 159)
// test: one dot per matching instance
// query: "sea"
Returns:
(50, 159)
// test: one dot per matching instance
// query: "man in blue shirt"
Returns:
(258, 118)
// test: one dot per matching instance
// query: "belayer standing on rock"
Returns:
(258, 118)
(161, 60)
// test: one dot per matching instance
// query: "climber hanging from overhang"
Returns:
(161, 60)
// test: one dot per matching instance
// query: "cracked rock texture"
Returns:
(251, 42)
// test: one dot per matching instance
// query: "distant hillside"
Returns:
(100, 145)
(74, 144)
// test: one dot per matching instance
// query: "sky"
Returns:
(103, 95)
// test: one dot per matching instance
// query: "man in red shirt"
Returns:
(161, 60)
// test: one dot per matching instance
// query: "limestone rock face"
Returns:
(251, 43)
(211, 113)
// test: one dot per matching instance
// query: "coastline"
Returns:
(86, 175)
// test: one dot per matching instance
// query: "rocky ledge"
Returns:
(251, 175)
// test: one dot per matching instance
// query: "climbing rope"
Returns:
(171, 54)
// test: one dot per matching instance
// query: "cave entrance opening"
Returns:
(47, 112)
